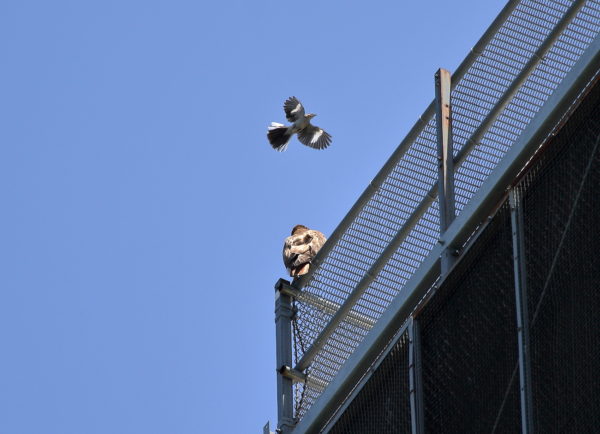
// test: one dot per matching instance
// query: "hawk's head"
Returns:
(299, 229)
(309, 116)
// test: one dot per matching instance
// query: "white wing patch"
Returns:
(275, 125)
(316, 135)
(298, 107)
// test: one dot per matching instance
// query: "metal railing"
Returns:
(507, 341)
(379, 246)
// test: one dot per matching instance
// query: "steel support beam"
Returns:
(520, 273)
(445, 149)
(457, 234)
(283, 336)
(415, 372)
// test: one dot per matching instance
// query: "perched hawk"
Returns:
(300, 248)
(310, 135)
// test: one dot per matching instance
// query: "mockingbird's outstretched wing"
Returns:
(314, 137)
(308, 134)
(293, 109)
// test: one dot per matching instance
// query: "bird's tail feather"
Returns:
(278, 136)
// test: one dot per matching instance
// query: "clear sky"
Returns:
(143, 211)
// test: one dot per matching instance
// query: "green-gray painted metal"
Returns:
(522, 317)
(283, 337)
(416, 378)
(445, 149)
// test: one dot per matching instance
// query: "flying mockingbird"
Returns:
(310, 135)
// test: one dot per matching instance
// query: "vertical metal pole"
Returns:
(415, 378)
(521, 307)
(283, 336)
(445, 149)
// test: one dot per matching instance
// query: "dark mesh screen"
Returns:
(469, 341)
(383, 405)
(561, 200)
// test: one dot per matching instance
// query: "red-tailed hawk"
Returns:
(300, 248)
(310, 135)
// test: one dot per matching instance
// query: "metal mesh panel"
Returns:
(383, 404)
(562, 231)
(468, 328)
(469, 347)
(499, 91)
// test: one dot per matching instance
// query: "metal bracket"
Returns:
(293, 374)
(286, 288)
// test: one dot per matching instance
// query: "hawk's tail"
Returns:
(278, 136)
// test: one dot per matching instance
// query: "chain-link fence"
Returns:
(376, 249)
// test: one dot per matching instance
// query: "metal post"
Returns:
(521, 308)
(283, 336)
(445, 149)
(415, 378)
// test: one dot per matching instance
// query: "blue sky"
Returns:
(143, 210)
